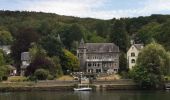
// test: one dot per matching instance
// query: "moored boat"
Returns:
(83, 89)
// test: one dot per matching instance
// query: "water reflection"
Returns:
(87, 95)
(83, 95)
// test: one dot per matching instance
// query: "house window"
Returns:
(89, 70)
(115, 70)
(92, 70)
(98, 70)
(89, 64)
(133, 61)
(132, 54)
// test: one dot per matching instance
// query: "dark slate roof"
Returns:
(25, 56)
(101, 47)
(139, 46)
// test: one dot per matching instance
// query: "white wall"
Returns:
(132, 49)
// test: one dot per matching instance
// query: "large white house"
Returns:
(132, 54)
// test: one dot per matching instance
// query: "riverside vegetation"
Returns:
(52, 40)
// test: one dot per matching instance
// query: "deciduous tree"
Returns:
(152, 65)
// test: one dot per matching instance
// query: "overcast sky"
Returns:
(103, 9)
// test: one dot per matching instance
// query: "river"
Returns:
(107, 95)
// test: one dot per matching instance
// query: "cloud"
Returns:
(102, 9)
(66, 7)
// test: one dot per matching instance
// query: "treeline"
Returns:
(57, 37)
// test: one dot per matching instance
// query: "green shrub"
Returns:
(125, 75)
(5, 78)
(50, 77)
(41, 74)
(32, 78)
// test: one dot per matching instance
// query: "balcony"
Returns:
(98, 60)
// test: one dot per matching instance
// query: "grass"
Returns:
(65, 78)
(17, 79)
(109, 77)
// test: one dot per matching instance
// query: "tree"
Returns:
(69, 62)
(22, 43)
(7, 59)
(163, 34)
(123, 63)
(3, 72)
(94, 38)
(5, 37)
(119, 35)
(146, 33)
(2, 60)
(152, 65)
(57, 62)
(40, 60)
(3, 68)
(102, 28)
(52, 45)
(71, 34)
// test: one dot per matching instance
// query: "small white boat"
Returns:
(83, 89)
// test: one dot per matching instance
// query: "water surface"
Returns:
(109, 95)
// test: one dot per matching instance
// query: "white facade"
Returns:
(25, 62)
(132, 54)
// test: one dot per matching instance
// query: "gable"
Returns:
(132, 49)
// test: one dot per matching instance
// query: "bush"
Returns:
(125, 75)
(5, 78)
(41, 74)
(32, 78)
(50, 77)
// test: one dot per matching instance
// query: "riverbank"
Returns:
(38, 86)
(66, 85)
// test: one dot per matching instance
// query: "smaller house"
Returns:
(132, 54)
(12, 70)
(6, 48)
(25, 61)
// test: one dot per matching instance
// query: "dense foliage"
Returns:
(152, 65)
(70, 62)
(41, 74)
(3, 68)
(52, 33)
(5, 37)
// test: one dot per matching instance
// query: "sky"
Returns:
(101, 9)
